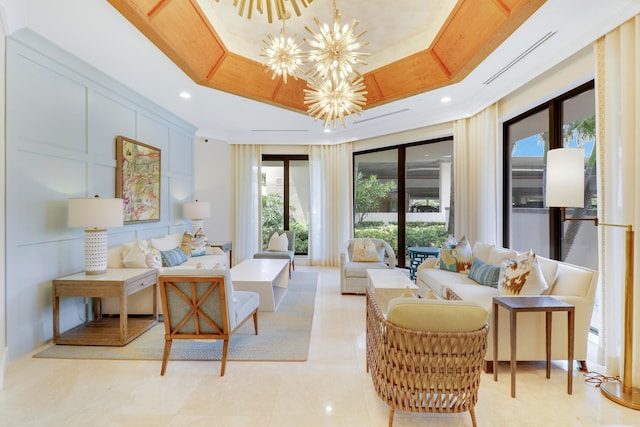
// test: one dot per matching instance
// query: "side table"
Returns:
(523, 304)
(225, 246)
(116, 282)
(417, 254)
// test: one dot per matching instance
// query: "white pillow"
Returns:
(364, 250)
(278, 243)
(136, 258)
(166, 243)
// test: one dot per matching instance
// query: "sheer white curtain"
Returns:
(618, 124)
(331, 211)
(476, 170)
(246, 190)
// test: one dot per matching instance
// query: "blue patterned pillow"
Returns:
(173, 257)
(484, 274)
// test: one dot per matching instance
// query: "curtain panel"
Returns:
(330, 206)
(618, 124)
(246, 193)
(476, 177)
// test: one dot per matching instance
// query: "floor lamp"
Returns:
(565, 188)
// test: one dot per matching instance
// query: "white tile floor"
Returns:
(330, 389)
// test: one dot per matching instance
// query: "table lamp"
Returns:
(565, 188)
(196, 211)
(95, 215)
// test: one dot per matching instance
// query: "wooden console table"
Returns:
(523, 304)
(116, 282)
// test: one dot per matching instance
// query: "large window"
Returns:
(567, 121)
(285, 198)
(403, 195)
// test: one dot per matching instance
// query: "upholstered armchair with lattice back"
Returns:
(360, 255)
(426, 355)
(201, 304)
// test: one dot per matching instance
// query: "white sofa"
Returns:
(570, 283)
(141, 302)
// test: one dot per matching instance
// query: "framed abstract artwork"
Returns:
(138, 180)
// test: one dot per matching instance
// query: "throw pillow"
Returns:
(457, 257)
(194, 246)
(449, 294)
(449, 242)
(522, 275)
(483, 273)
(153, 258)
(173, 257)
(407, 293)
(185, 245)
(278, 243)
(199, 244)
(136, 258)
(430, 295)
(364, 250)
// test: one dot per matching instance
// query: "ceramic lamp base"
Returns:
(196, 224)
(95, 251)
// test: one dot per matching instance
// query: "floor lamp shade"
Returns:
(196, 211)
(95, 215)
(565, 178)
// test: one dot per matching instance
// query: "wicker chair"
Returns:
(421, 370)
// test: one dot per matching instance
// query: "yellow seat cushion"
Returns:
(436, 315)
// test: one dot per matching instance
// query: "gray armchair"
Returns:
(201, 304)
(353, 274)
(289, 254)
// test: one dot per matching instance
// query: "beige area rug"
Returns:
(282, 336)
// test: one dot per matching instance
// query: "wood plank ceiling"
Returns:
(180, 29)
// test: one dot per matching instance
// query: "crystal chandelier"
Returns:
(271, 5)
(332, 90)
(283, 54)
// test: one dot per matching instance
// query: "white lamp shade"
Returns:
(95, 212)
(565, 178)
(196, 210)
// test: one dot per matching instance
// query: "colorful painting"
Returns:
(138, 180)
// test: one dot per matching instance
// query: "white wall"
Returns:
(3, 311)
(62, 120)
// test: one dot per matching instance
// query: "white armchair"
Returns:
(353, 274)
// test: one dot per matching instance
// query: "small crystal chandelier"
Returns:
(277, 5)
(283, 54)
(332, 92)
(332, 100)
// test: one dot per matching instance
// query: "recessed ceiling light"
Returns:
(185, 95)
(445, 99)
(327, 130)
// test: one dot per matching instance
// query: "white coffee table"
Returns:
(268, 277)
(388, 284)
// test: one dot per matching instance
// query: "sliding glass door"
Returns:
(285, 198)
(403, 195)
(566, 121)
